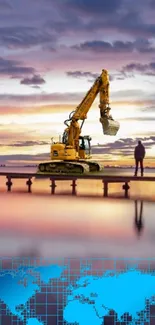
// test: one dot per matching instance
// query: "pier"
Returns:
(55, 178)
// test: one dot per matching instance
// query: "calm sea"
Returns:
(53, 226)
(39, 224)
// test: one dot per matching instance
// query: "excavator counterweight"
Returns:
(72, 155)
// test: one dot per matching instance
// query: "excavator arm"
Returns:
(110, 127)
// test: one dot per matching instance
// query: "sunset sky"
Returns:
(51, 53)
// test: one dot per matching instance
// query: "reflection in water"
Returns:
(139, 217)
(75, 227)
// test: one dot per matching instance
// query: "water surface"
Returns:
(56, 226)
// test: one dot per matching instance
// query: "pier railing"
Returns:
(106, 180)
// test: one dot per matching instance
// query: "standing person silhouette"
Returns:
(139, 155)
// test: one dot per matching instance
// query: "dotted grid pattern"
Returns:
(48, 303)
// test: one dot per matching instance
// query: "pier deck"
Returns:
(106, 179)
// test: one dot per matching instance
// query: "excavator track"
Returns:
(93, 165)
(62, 167)
(69, 167)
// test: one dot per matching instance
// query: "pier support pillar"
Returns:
(74, 192)
(9, 183)
(126, 188)
(29, 184)
(105, 189)
(53, 186)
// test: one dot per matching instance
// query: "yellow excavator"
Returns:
(72, 153)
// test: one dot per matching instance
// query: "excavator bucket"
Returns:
(110, 127)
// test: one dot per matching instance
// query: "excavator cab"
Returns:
(84, 146)
(84, 143)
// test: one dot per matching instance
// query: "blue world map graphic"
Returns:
(44, 292)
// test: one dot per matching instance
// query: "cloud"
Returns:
(41, 98)
(84, 74)
(20, 158)
(149, 108)
(144, 45)
(91, 7)
(109, 15)
(147, 69)
(132, 94)
(79, 74)
(66, 23)
(15, 107)
(93, 76)
(140, 45)
(4, 5)
(152, 3)
(82, 15)
(102, 46)
(132, 22)
(14, 132)
(129, 20)
(70, 17)
(136, 96)
(14, 68)
(35, 80)
(34, 109)
(23, 37)
(25, 144)
(139, 118)
(35, 87)
(123, 146)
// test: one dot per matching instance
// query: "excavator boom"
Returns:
(83, 108)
